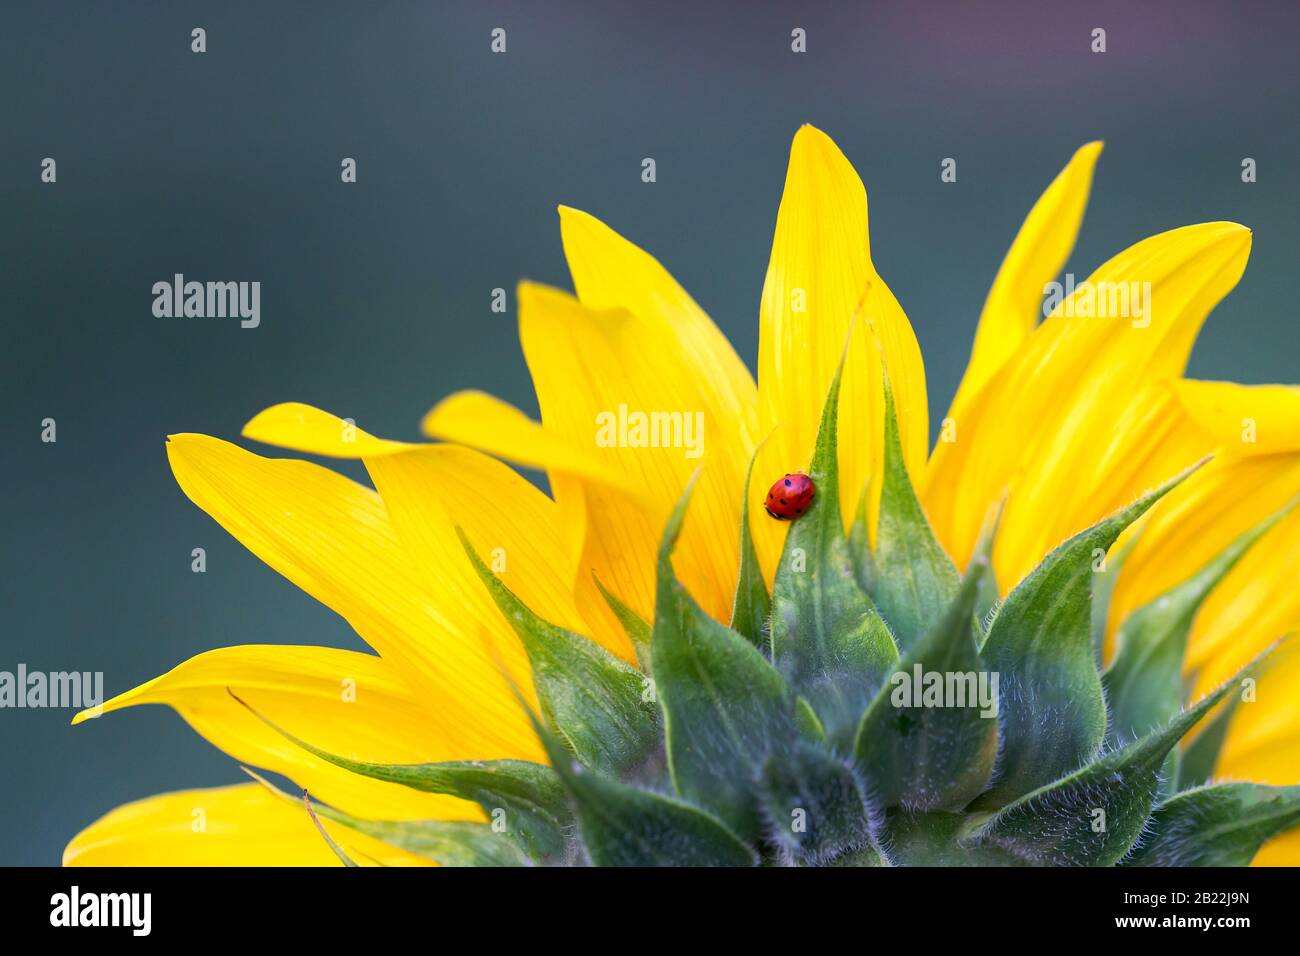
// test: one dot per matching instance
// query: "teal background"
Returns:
(375, 295)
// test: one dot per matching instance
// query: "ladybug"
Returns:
(790, 497)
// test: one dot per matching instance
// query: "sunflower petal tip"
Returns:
(810, 136)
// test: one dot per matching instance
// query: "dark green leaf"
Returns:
(928, 754)
(726, 709)
(751, 609)
(1092, 816)
(813, 806)
(1221, 825)
(596, 702)
(1053, 715)
(827, 638)
(914, 579)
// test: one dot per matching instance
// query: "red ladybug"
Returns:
(790, 497)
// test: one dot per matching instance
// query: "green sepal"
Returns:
(988, 601)
(1220, 825)
(530, 794)
(1144, 683)
(726, 708)
(1200, 755)
(1095, 814)
(914, 579)
(346, 860)
(622, 825)
(864, 567)
(1103, 586)
(936, 757)
(638, 631)
(596, 702)
(868, 855)
(827, 638)
(812, 806)
(752, 607)
(807, 722)
(337, 850)
(445, 842)
(1053, 714)
(937, 839)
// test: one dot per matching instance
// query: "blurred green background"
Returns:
(375, 295)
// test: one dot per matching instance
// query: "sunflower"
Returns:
(522, 638)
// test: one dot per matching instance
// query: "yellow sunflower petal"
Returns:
(242, 825)
(1255, 474)
(1263, 742)
(491, 425)
(430, 489)
(598, 534)
(819, 278)
(1035, 427)
(349, 704)
(611, 382)
(307, 429)
(1280, 851)
(1036, 257)
(1248, 419)
(609, 272)
(516, 530)
(333, 538)
(1258, 601)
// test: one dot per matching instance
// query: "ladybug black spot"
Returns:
(787, 482)
(783, 501)
(798, 511)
